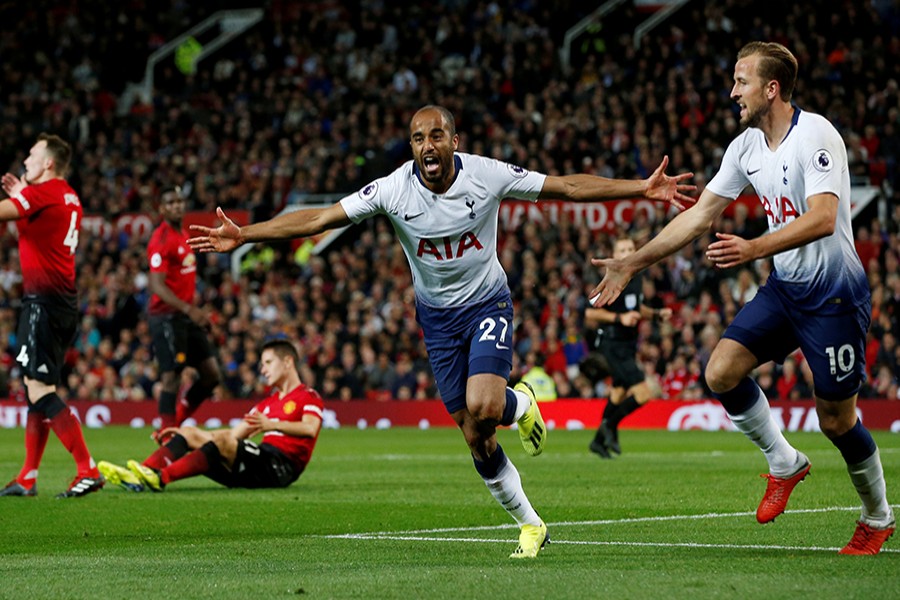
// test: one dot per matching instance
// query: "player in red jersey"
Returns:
(289, 419)
(176, 323)
(48, 215)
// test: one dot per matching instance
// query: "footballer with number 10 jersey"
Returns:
(811, 160)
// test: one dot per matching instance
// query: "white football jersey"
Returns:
(811, 160)
(450, 239)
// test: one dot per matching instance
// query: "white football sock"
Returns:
(506, 488)
(868, 478)
(523, 401)
(760, 428)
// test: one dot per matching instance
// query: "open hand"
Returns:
(614, 281)
(224, 238)
(12, 185)
(664, 188)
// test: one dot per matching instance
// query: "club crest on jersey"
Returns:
(289, 407)
(517, 171)
(447, 248)
(823, 161)
(368, 192)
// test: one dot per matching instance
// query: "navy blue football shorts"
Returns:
(833, 344)
(465, 341)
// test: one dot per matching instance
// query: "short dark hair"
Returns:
(282, 348)
(168, 189)
(59, 149)
(776, 63)
(445, 113)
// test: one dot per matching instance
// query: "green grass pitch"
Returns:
(401, 513)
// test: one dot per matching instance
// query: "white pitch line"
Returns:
(661, 518)
(419, 535)
(553, 542)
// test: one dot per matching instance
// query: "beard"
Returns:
(755, 117)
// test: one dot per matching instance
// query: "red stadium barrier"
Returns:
(562, 414)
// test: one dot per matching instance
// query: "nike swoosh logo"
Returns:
(408, 217)
(749, 172)
(499, 346)
(843, 377)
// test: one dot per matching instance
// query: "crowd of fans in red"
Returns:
(316, 99)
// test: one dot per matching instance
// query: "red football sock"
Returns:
(160, 459)
(184, 410)
(167, 420)
(37, 430)
(191, 464)
(192, 400)
(68, 430)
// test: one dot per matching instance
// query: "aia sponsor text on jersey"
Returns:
(779, 211)
(447, 248)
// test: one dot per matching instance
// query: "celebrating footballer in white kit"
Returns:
(443, 205)
(817, 297)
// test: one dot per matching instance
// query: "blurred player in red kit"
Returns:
(177, 324)
(48, 214)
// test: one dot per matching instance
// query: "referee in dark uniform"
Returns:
(616, 341)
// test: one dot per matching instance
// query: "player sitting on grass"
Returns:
(289, 419)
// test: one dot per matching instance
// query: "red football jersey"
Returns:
(302, 401)
(50, 219)
(168, 252)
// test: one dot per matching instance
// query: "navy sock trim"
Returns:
(489, 468)
(739, 399)
(856, 445)
(509, 409)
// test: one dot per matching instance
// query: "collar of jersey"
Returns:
(794, 120)
(457, 161)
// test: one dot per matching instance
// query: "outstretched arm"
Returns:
(684, 228)
(300, 223)
(590, 188)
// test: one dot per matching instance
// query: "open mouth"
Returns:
(431, 164)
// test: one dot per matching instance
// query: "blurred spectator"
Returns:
(306, 104)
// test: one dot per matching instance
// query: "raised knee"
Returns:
(718, 379)
(484, 411)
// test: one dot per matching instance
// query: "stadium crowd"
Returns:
(316, 100)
